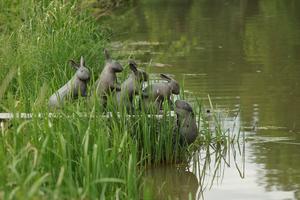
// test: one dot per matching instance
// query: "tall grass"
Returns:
(46, 35)
(89, 156)
(71, 156)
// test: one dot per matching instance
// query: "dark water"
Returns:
(246, 56)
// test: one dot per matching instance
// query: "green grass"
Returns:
(72, 156)
(78, 157)
(46, 35)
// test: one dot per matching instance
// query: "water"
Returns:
(246, 56)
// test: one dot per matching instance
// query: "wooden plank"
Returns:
(10, 116)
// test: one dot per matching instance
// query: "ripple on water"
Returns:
(247, 59)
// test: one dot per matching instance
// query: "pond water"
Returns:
(246, 55)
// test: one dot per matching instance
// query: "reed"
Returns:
(75, 156)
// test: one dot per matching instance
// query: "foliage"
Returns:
(45, 37)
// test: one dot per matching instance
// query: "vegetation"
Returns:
(37, 47)
(75, 156)
(80, 153)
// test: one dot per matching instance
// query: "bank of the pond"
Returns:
(72, 157)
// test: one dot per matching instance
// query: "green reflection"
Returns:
(244, 53)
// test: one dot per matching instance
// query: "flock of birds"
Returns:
(107, 86)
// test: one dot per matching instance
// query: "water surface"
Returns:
(246, 56)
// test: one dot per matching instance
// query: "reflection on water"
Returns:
(170, 182)
(191, 180)
(246, 55)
